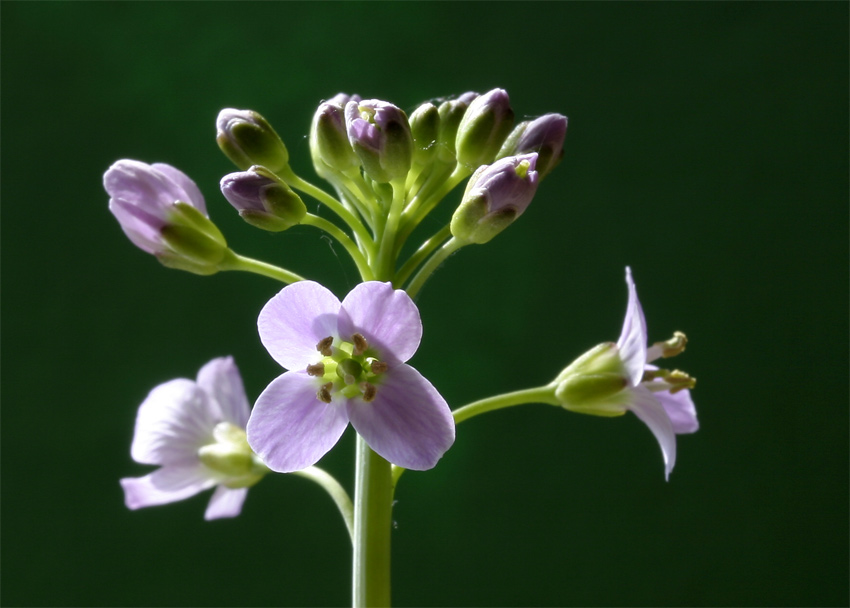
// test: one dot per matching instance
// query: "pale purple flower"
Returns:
(614, 378)
(263, 199)
(347, 364)
(195, 431)
(142, 199)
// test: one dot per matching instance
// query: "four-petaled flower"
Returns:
(611, 379)
(347, 364)
(195, 431)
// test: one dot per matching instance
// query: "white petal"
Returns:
(225, 502)
(175, 419)
(168, 484)
(632, 342)
(646, 407)
(221, 380)
(293, 322)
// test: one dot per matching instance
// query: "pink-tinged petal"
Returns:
(192, 195)
(681, 410)
(295, 320)
(168, 484)
(632, 342)
(225, 502)
(175, 419)
(386, 317)
(221, 380)
(408, 423)
(290, 428)
(140, 184)
(144, 235)
(646, 407)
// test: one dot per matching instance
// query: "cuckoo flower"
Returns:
(347, 364)
(611, 379)
(195, 431)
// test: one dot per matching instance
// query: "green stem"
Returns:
(386, 253)
(336, 491)
(330, 202)
(423, 252)
(539, 394)
(342, 239)
(234, 261)
(431, 265)
(373, 493)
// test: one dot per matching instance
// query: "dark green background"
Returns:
(707, 148)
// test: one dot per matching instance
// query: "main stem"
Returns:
(373, 494)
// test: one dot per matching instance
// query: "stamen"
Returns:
(669, 348)
(324, 346)
(680, 381)
(317, 370)
(369, 391)
(379, 367)
(360, 344)
(324, 393)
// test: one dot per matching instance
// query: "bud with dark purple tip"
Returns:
(495, 196)
(248, 139)
(544, 135)
(329, 144)
(380, 135)
(262, 199)
(483, 129)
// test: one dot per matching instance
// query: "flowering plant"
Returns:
(346, 361)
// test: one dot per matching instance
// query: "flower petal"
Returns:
(167, 484)
(386, 317)
(290, 428)
(221, 380)
(632, 342)
(175, 419)
(225, 502)
(408, 423)
(193, 195)
(646, 407)
(681, 410)
(140, 184)
(295, 320)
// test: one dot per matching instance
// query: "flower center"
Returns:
(347, 368)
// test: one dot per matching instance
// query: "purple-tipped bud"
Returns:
(495, 196)
(248, 139)
(329, 145)
(262, 199)
(380, 135)
(544, 135)
(162, 212)
(483, 129)
(451, 113)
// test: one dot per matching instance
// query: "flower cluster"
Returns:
(346, 360)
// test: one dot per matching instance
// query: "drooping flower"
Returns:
(162, 212)
(611, 379)
(195, 432)
(347, 364)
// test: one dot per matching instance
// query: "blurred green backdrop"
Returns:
(707, 148)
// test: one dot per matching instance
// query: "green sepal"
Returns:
(425, 128)
(254, 143)
(193, 235)
(473, 223)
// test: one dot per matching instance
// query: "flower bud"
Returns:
(544, 135)
(248, 139)
(163, 213)
(495, 196)
(451, 113)
(425, 128)
(380, 135)
(329, 145)
(483, 129)
(262, 199)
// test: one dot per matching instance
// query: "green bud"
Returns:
(483, 129)
(425, 128)
(248, 139)
(593, 383)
